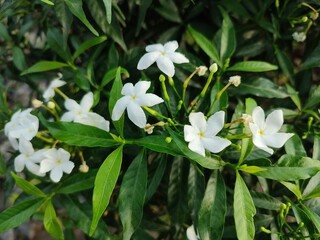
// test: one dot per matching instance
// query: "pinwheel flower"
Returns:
(22, 123)
(80, 113)
(56, 161)
(55, 83)
(164, 56)
(265, 131)
(201, 134)
(28, 158)
(134, 98)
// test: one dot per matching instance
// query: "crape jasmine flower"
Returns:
(164, 56)
(201, 134)
(56, 161)
(265, 131)
(80, 113)
(135, 97)
(55, 83)
(22, 123)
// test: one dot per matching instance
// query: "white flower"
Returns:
(55, 83)
(80, 113)
(235, 80)
(164, 56)
(22, 123)
(191, 233)
(134, 98)
(56, 161)
(28, 158)
(265, 132)
(201, 134)
(299, 37)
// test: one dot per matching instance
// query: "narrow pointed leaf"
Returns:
(51, 223)
(104, 184)
(88, 44)
(132, 195)
(44, 66)
(27, 186)
(252, 66)
(211, 216)
(315, 218)
(244, 210)
(108, 6)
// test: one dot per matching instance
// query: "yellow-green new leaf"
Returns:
(51, 222)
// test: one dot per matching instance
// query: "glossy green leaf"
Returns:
(78, 182)
(104, 184)
(213, 162)
(77, 134)
(27, 186)
(285, 63)
(316, 148)
(252, 66)
(265, 201)
(48, 2)
(75, 7)
(44, 66)
(288, 173)
(294, 146)
(313, 60)
(315, 218)
(112, 74)
(143, 8)
(132, 195)
(205, 44)
(19, 213)
(260, 87)
(244, 210)
(294, 95)
(51, 223)
(294, 188)
(246, 148)
(108, 7)
(313, 99)
(88, 44)
(116, 95)
(65, 18)
(251, 169)
(211, 216)
(19, 59)
(228, 37)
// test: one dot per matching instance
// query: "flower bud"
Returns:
(202, 70)
(84, 168)
(36, 103)
(213, 68)
(168, 139)
(314, 16)
(235, 80)
(51, 105)
(162, 78)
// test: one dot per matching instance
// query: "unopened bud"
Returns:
(159, 124)
(51, 105)
(213, 68)
(235, 80)
(84, 168)
(168, 139)
(162, 78)
(314, 16)
(304, 19)
(36, 103)
(202, 70)
(263, 229)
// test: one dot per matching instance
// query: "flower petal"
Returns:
(19, 163)
(215, 144)
(119, 107)
(34, 168)
(196, 146)
(63, 155)
(191, 233)
(57, 83)
(178, 58)
(25, 146)
(259, 143)
(56, 174)
(190, 133)
(165, 65)
(155, 48)
(149, 99)
(94, 119)
(48, 93)
(136, 115)
(141, 87)
(277, 140)
(67, 166)
(147, 60)
(128, 89)
(198, 121)
(170, 47)
(71, 105)
(46, 165)
(258, 117)
(67, 117)
(274, 122)
(86, 102)
(215, 124)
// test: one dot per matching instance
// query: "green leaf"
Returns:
(58, 44)
(316, 148)
(313, 60)
(315, 218)
(78, 182)
(288, 173)
(228, 37)
(265, 201)
(252, 66)
(294, 188)
(4, 33)
(19, 58)
(115, 92)
(260, 87)
(285, 63)
(88, 44)
(205, 44)
(108, 6)
(211, 216)
(294, 146)
(104, 184)
(77, 134)
(132, 195)
(251, 169)
(51, 223)
(44, 66)
(17, 214)
(244, 210)
(111, 74)
(169, 11)
(246, 148)
(3, 168)
(27, 186)
(313, 99)
(294, 95)
(75, 7)
(144, 5)
(213, 162)
(48, 2)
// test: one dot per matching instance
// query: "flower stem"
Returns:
(61, 93)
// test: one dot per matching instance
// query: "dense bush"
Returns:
(225, 144)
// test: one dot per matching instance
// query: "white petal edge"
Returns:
(158, 47)
(147, 60)
(119, 107)
(274, 122)
(86, 102)
(170, 46)
(277, 140)
(136, 115)
(258, 117)
(56, 174)
(165, 65)
(71, 105)
(215, 123)
(196, 146)
(215, 144)
(190, 133)
(149, 99)
(178, 58)
(198, 121)
(141, 87)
